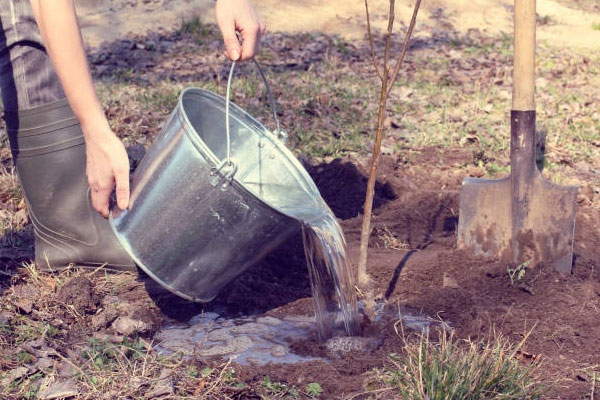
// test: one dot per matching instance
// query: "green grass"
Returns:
(596, 26)
(451, 369)
(452, 95)
(197, 29)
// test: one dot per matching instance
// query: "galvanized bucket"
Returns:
(215, 193)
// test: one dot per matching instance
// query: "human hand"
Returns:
(239, 16)
(107, 165)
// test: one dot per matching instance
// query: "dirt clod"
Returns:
(78, 293)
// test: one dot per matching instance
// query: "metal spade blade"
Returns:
(522, 217)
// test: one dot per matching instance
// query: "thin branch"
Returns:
(364, 279)
(371, 44)
(388, 36)
(413, 21)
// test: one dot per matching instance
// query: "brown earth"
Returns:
(416, 203)
(564, 23)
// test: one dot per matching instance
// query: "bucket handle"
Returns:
(281, 135)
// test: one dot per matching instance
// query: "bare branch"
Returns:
(371, 44)
(404, 45)
(388, 37)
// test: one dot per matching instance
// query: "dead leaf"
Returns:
(474, 171)
(468, 139)
(528, 358)
(163, 387)
(4, 318)
(24, 296)
(13, 375)
(43, 364)
(449, 282)
(59, 390)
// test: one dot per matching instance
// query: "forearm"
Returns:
(58, 25)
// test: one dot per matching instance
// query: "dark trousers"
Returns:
(27, 77)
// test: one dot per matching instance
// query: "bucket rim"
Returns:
(257, 128)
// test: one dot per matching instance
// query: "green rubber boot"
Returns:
(49, 154)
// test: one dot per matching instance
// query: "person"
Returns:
(67, 157)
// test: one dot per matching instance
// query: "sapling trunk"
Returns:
(365, 283)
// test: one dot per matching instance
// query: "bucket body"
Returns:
(192, 225)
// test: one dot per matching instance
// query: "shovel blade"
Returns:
(546, 228)
(539, 227)
(485, 219)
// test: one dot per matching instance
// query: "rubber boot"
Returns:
(49, 154)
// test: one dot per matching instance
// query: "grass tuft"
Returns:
(451, 369)
(197, 29)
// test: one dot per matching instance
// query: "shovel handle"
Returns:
(524, 58)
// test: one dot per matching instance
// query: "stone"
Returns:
(278, 351)
(341, 345)
(219, 335)
(126, 325)
(4, 318)
(249, 328)
(269, 320)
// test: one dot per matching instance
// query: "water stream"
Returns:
(330, 275)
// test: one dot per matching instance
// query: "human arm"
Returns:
(239, 16)
(107, 162)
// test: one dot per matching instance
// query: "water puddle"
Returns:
(248, 340)
(252, 340)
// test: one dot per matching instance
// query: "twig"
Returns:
(371, 44)
(413, 21)
(219, 378)
(593, 384)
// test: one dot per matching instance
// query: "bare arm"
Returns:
(107, 161)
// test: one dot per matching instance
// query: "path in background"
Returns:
(565, 25)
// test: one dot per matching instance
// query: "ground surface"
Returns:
(93, 334)
(565, 23)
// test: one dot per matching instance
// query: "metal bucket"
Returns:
(211, 197)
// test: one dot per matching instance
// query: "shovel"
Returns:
(522, 218)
